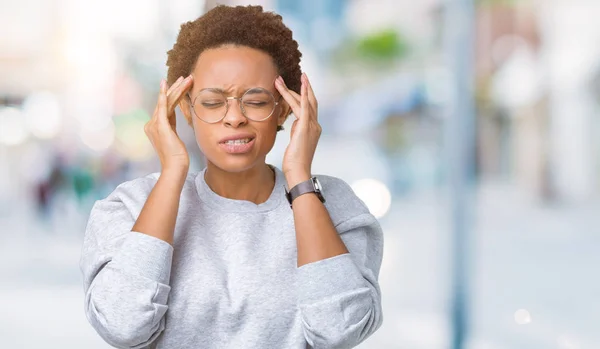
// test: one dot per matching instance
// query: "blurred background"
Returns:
(471, 129)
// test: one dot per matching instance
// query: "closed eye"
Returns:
(255, 103)
(212, 105)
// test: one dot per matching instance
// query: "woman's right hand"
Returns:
(161, 129)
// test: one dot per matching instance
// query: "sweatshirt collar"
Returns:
(209, 197)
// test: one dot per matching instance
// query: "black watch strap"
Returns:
(311, 185)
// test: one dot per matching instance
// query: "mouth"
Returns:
(239, 141)
(238, 146)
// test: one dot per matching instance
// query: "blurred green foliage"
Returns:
(378, 50)
(383, 45)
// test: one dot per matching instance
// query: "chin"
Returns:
(234, 163)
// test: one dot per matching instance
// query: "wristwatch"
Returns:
(309, 186)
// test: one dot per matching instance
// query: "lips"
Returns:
(241, 148)
(237, 136)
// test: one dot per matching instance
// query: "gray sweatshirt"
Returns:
(230, 279)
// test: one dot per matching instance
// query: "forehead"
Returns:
(234, 68)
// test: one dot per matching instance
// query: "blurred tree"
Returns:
(379, 50)
(384, 45)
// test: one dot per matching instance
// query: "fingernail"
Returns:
(179, 79)
(162, 83)
(190, 77)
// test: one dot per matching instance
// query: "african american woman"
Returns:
(241, 254)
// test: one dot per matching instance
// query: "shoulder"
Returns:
(142, 186)
(341, 201)
(132, 194)
(119, 210)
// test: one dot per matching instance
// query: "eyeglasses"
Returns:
(211, 105)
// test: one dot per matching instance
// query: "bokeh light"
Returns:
(567, 342)
(374, 194)
(42, 113)
(522, 317)
(13, 130)
(98, 140)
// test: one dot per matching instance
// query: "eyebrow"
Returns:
(215, 89)
(220, 90)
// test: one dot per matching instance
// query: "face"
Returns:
(235, 70)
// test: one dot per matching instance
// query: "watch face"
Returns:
(318, 189)
(317, 184)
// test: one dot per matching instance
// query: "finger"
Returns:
(162, 101)
(288, 97)
(311, 96)
(155, 113)
(304, 103)
(174, 86)
(292, 92)
(157, 107)
(175, 96)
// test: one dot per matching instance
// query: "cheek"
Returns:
(203, 138)
(267, 138)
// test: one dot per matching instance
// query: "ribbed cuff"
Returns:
(328, 277)
(146, 256)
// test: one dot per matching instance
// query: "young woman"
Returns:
(227, 257)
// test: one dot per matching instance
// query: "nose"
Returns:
(234, 116)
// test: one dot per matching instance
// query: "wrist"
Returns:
(293, 179)
(174, 176)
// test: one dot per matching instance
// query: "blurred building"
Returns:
(536, 116)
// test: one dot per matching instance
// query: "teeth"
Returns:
(239, 141)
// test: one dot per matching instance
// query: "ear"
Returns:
(184, 105)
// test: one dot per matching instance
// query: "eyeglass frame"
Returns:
(228, 98)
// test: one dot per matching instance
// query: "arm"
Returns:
(127, 252)
(157, 218)
(338, 265)
(339, 295)
(126, 273)
(127, 270)
(316, 237)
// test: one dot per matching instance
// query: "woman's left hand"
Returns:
(305, 131)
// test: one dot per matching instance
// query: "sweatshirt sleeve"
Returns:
(126, 274)
(340, 298)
